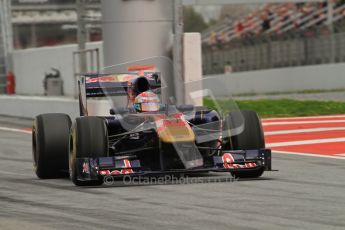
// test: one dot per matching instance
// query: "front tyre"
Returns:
(250, 137)
(50, 134)
(88, 139)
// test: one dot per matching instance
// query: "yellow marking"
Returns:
(177, 134)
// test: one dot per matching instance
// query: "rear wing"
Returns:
(101, 85)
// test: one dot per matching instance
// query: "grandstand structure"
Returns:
(277, 35)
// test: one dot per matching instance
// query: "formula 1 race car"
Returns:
(145, 137)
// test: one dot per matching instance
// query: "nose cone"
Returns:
(174, 128)
(174, 134)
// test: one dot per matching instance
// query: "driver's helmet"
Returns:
(147, 102)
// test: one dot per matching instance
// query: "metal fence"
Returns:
(93, 64)
(266, 53)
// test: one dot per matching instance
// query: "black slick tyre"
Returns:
(88, 139)
(50, 136)
(250, 137)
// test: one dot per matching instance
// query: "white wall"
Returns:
(323, 77)
(30, 65)
(31, 106)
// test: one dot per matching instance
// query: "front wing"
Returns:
(227, 161)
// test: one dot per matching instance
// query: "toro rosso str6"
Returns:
(145, 136)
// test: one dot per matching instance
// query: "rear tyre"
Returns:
(252, 137)
(88, 139)
(50, 134)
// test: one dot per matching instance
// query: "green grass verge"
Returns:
(283, 107)
(307, 91)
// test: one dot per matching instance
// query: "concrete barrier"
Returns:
(320, 77)
(29, 107)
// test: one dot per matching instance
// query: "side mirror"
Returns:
(185, 108)
(157, 78)
(122, 110)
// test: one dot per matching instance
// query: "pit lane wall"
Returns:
(31, 106)
(318, 77)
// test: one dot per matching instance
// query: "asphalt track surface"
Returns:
(306, 193)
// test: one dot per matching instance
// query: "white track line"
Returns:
(306, 118)
(15, 130)
(303, 131)
(309, 154)
(302, 122)
(318, 141)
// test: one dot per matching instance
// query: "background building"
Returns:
(39, 23)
